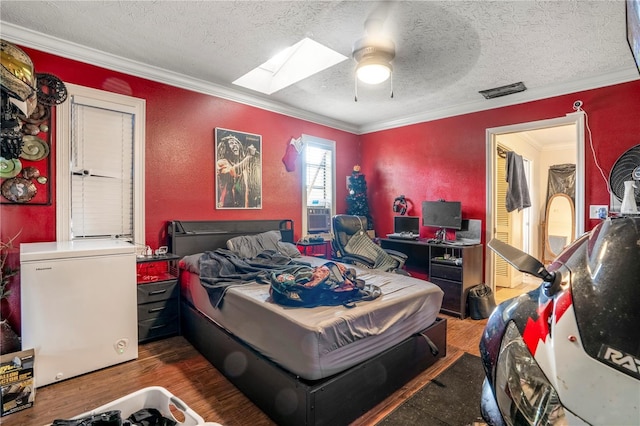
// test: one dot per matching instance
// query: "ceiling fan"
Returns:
(374, 52)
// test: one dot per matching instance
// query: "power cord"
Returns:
(577, 105)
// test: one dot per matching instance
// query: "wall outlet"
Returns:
(598, 211)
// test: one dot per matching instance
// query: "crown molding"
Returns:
(526, 137)
(56, 46)
(77, 52)
(558, 89)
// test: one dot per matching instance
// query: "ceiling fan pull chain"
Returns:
(355, 82)
(391, 84)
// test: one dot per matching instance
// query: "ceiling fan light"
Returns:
(373, 71)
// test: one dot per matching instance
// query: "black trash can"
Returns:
(481, 301)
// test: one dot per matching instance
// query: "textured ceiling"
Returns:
(445, 51)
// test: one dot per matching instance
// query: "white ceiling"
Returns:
(446, 51)
(562, 137)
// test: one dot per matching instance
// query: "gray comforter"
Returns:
(222, 269)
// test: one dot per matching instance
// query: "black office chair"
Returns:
(351, 244)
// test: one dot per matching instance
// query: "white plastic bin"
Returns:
(152, 397)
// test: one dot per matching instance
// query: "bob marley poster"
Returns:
(238, 170)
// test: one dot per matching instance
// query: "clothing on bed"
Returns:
(293, 283)
(222, 268)
(248, 246)
(318, 342)
(330, 284)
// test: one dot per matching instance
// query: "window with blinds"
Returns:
(318, 190)
(100, 165)
(319, 176)
(101, 172)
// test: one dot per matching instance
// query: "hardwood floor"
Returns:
(175, 365)
(528, 283)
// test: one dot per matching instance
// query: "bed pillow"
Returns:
(249, 246)
(289, 249)
(191, 263)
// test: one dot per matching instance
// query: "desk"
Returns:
(307, 248)
(453, 278)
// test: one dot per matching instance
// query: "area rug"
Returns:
(451, 399)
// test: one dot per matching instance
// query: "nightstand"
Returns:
(158, 297)
(307, 248)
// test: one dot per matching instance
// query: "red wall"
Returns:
(438, 159)
(446, 158)
(179, 157)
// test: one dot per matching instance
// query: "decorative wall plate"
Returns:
(30, 172)
(34, 148)
(30, 129)
(51, 90)
(9, 168)
(18, 190)
(16, 87)
(39, 115)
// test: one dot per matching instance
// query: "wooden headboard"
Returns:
(191, 237)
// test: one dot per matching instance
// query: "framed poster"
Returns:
(238, 169)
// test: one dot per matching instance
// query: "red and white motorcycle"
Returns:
(568, 353)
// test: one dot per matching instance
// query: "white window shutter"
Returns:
(102, 170)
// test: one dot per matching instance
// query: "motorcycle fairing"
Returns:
(520, 310)
(554, 332)
(606, 291)
(585, 386)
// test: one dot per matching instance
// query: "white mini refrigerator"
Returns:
(78, 304)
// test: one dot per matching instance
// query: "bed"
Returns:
(324, 365)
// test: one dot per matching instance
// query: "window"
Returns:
(318, 176)
(319, 184)
(100, 166)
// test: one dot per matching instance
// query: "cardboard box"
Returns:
(17, 381)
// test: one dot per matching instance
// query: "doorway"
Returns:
(541, 144)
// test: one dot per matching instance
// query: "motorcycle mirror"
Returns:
(520, 260)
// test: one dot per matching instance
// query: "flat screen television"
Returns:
(442, 214)
(406, 224)
(633, 29)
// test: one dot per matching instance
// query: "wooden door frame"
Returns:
(575, 118)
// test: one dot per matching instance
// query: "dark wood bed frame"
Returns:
(284, 397)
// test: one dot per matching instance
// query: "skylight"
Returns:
(295, 63)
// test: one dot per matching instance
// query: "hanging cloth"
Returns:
(518, 190)
(562, 179)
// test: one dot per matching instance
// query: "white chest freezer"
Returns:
(78, 304)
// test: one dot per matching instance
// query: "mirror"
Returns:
(559, 225)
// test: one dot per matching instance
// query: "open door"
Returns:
(509, 226)
(498, 224)
(503, 221)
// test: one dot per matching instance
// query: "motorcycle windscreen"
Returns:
(606, 294)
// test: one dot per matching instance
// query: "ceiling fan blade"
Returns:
(375, 21)
(377, 41)
(520, 260)
(380, 11)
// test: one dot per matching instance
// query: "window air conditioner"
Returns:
(318, 220)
